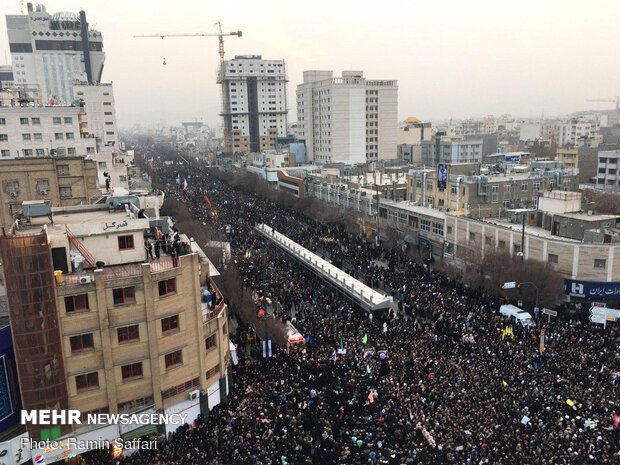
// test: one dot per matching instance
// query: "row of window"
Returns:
(129, 372)
(39, 136)
(37, 121)
(41, 152)
(121, 296)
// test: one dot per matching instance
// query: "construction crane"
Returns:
(616, 100)
(219, 35)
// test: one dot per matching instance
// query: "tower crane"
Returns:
(616, 100)
(220, 75)
(220, 35)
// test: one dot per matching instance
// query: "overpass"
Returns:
(366, 297)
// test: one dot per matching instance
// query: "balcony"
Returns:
(114, 273)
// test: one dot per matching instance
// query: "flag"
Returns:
(504, 384)
(616, 420)
(269, 348)
(341, 341)
(206, 197)
(507, 332)
(365, 339)
(570, 402)
(185, 184)
(264, 349)
(542, 340)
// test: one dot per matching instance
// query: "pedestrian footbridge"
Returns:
(366, 297)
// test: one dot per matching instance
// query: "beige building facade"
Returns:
(62, 181)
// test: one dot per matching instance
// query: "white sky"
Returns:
(452, 58)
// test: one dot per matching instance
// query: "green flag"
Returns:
(341, 342)
(365, 339)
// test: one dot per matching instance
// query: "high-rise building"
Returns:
(254, 110)
(53, 50)
(347, 119)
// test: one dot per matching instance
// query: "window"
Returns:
(127, 334)
(124, 295)
(90, 150)
(488, 240)
(425, 225)
(68, 120)
(179, 389)
(517, 248)
(27, 152)
(4, 138)
(58, 136)
(43, 186)
(102, 165)
(57, 120)
(76, 303)
(552, 258)
(23, 121)
(66, 193)
(600, 263)
(174, 359)
(40, 152)
(2, 121)
(82, 343)
(501, 244)
(449, 230)
(213, 371)
(26, 137)
(438, 229)
(36, 120)
(210, 343)
(135, 404)
(131, 371)
(167, 287)
(87, 381)
(69, 136)
(472, 236)
(62, 170)
(125, 243)
(38, 136)
(6, 153)
(170, 324)
(71, 151)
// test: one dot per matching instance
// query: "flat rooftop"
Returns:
(534, 231)
(406, 206)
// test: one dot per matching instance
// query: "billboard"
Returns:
(442, 176)
(599, 290)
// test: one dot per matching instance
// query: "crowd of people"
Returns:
(435, 380)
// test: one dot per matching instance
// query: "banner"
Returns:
(599, 290)
(442, 176)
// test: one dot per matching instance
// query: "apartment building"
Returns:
(578, 132)
(347, 119)
(608, 174)
(100, 327)
(480, 195)
(43, 131)
(60, 181)
(584, 159)
(98, 116)
(53, 50)
(410, 136)
(255, 106)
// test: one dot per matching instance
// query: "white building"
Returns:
(578, 132)
(42, 131)
(608, 175)
(255, 109)
(100, 117)
(53, 50)
(347, 119)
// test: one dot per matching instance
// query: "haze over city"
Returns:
(451, 59)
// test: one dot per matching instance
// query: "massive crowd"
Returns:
(432, 382)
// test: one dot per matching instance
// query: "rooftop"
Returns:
(406, 206)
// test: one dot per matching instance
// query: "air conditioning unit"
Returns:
(85, 280)
(43, 191)
(13, 194)
(194, 395)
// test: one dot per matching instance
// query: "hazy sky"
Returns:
(451, 58)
